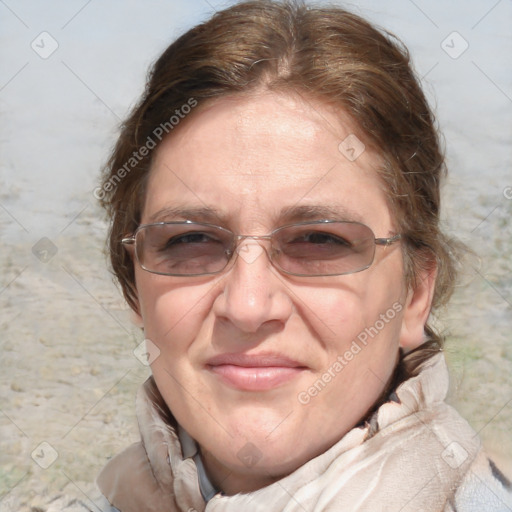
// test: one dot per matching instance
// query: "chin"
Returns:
(265, 465)
(264, 451)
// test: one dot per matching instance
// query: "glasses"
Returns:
(320, 248)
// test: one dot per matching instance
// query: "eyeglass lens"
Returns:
(187, 249)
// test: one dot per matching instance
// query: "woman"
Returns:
(274, 205)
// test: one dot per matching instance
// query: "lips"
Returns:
(258, 372)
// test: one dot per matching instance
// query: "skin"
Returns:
(250, 159)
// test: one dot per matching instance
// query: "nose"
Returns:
(253, 293)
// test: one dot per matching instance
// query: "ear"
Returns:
(417, 309)
(135, 310)
(136, 319)
(135, 316)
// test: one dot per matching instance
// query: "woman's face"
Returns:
(267, 370)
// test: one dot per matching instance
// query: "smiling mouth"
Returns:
(254, 373)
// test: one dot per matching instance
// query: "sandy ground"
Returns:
(69, 374)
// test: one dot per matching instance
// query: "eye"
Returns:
(191, 238)
(320, 238)
(197, 241)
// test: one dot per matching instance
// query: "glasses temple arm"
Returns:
(388, 241)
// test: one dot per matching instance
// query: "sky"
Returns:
(70, 71)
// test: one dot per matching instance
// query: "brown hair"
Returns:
(327, 54)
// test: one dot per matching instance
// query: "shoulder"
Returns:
(484, 487)
(418, 462)
(89, 499)
(122, 469)
(127, 481)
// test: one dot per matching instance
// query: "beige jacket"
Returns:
(416, 454)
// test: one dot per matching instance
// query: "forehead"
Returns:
(256, 159)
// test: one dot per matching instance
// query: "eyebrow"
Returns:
(302, 213)
(203, 214)
(319, 212)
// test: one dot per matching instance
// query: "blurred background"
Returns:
(70, 71)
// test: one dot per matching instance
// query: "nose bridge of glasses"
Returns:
(240, 238)
(250, 247)
(243, 242)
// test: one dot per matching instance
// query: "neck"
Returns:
(231, 482)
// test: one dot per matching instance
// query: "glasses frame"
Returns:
(130, 240)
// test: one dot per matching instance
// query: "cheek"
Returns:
(172, 311)
(341, 312)
(360, 332)
(335, 315)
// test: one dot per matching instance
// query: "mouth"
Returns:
(258, 372)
